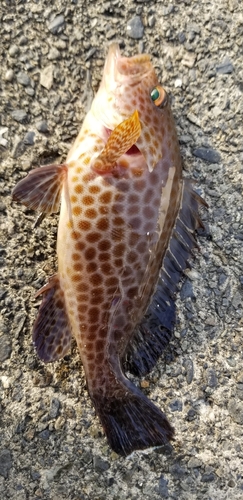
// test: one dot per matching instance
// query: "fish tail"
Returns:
(131, 421)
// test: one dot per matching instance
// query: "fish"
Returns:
(126, 234)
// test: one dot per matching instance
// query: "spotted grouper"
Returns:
(126, 231)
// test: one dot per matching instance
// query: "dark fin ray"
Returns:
(41, 189)
(52, 332)
(131, 421)
(154, 332)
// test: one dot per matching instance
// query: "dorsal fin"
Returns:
(154, 332)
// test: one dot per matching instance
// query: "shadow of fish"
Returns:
(126, 231)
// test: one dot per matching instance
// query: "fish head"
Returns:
(129, 84)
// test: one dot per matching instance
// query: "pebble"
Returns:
(18, 147)
(187, 290)
(5, 462)
(53, 54)
(29, 91)
(212, 380)
(54, 408)
(19, 115)
(225, 67)
(44, 434)
(23, 40)
(207, 154)
(208, 478)
(236, 411)
(3, 140)
(42, 126)
(135, 28)
(100, 465)
(46, 77)
(163, 487)
(194, 462)
(5, 348)
(29, 138)
(176, 405)
(188, 365)
(9, 75)
(57, 24)
(13, 51)
(151, 21)
(178, 82)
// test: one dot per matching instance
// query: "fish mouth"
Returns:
(130, 69)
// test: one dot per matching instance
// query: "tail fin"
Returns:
(131, 421)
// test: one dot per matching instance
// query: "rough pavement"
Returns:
(51, 444)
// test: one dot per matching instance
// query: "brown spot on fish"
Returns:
(78, 188)
(84, 225)
(76, 210)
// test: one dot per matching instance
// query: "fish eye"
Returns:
(159, 96)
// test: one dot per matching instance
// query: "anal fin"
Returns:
(41, 188)
(52, 332)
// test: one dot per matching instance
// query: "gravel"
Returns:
(52, 445)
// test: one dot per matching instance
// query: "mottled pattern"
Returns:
(115, 226)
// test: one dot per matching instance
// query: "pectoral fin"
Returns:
(41, 189)
(122, 138)
(52, 331)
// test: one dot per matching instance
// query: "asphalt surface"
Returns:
(51, 444)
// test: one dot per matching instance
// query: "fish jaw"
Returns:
(127, 85)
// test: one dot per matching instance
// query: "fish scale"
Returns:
(126, 231)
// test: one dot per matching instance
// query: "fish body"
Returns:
(123, 204)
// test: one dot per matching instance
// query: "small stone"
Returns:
(19, 115)
(176, 405)
(225, 67)
(90, 53)
(5, 462)
(5, 348)
(18, 148)
(188, 365)
(212, 380)
(53, 54)
(194, 462)
(166, 11)
(236, 411)
(29, 138)
(151, 21)
(30, 91)
(42, 126)
(100, 465)
(208, 478)
(144, 384)
(45, 434)
(46, 77)
(13, 51)
(135, 28)
(23, 40)
(187, 290)
(54, 408)
(178, 83)
(207, 154)
(3, 140)
(181, 37)
(9, 75)
(163, 487)
(110, 34)
(57, 24)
